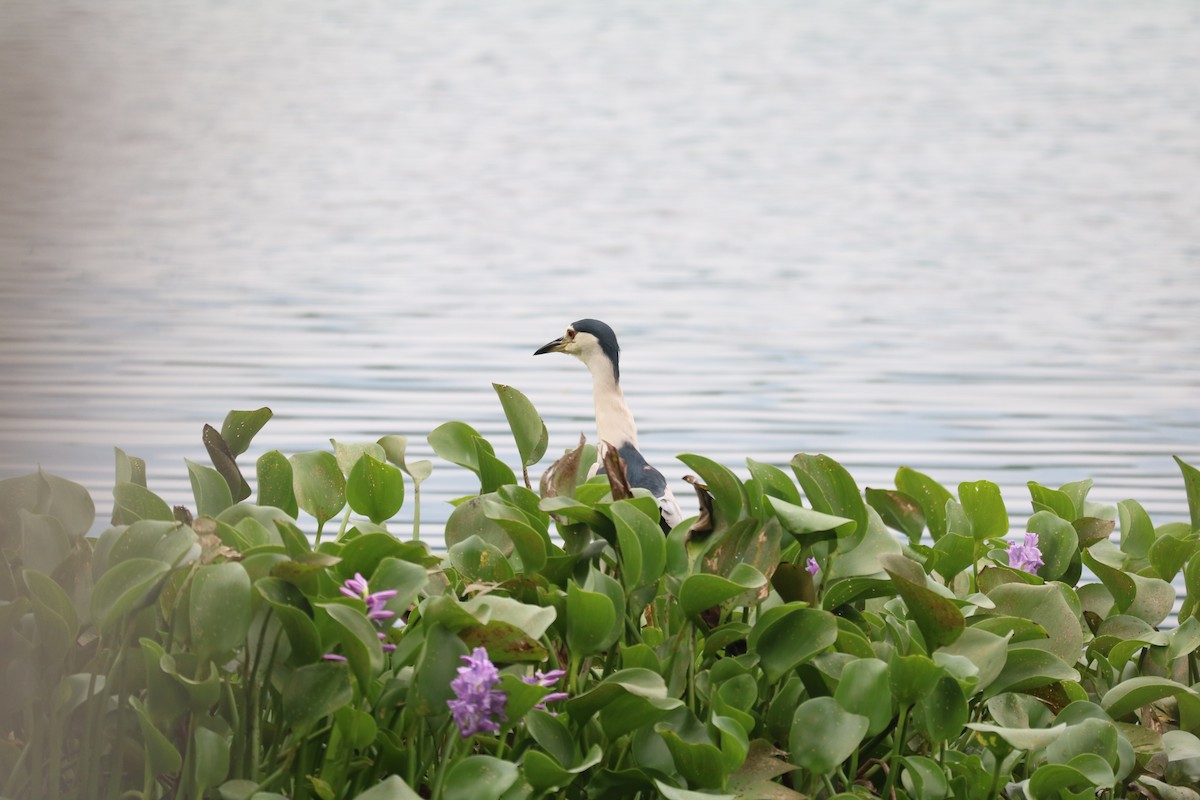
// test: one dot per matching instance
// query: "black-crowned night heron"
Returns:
(595, 344)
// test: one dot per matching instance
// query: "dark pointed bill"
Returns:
(552, 347)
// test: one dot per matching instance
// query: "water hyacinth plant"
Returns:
(799, 638)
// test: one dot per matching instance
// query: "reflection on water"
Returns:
(959, 237)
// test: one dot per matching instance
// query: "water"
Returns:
(961, 237)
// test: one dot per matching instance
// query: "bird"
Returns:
(594, 343)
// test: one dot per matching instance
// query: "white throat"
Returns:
(614, 421)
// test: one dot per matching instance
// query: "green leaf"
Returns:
(787, 636)
(911, 678)
(375, 489)
(392, 787)
(479, 778)
(824, 734)
(1053, 501)
(1081, 776)
(69, 503)
(223, 458)
(898, 511)
(395, 447)
(1137, 531)
(211, 758)
(936, 616)
(590, 618)
(44, 542)
(161, 756)
(527, 427)
(493, 473)
(953, 553)
(1169, 553)
(674, 793)
(294, 614)
(698, 760)
(775, 482)
(863, 689)
(1130, 695)
(943, 712)
(800, 521)
(830, 489)
(635, 681)
(643, 549)
(1029, 668)
(1166, 791)
(480, 561)
(1046, 606)
(350, 453)
(275, 487)
(1058, 542)
(929, 494)
(318, 484)
(726, 488)
(315, 691)
(219, 608)
(360, 644)
(455, 442)
(137, 502)
(1191, 483)
(984, 508)
(240, 427)
(701, 591)
(209, 488)
(125, 588)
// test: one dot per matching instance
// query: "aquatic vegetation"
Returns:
(801, 637)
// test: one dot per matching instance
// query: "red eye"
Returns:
(570, 334)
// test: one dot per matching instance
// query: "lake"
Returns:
(963, 237)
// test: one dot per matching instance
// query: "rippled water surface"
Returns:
(963, 237)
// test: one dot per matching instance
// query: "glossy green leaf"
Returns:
(863, 689)
(726, 488)
(1053, 501)
(375, 489)
(392, 787)
(787, 636)
(315, 691)
(211, 754)
(912, 677)
(590, 618)
(68, 502)
(396, 449)
(275, 487)
(1166, 791)
(634, 526)
(1137, 531)
(294, 613)
(800, 521)
(137, 502)
(1057, 540)
(702, 591)
(360, 644)
(493, 473)
(209, 488)
(455, 442)
(350, 453)
(224, 460)
(824, 734)
(636, 681)
(1029, 668)
(1169, 553)
(898, 511)
(1083, 775)
(952, 554)
(925, 778)
(1153, 599)
(240, 427)
(125, 588)
(830, 489)
(929, 494)
(1046, 606)
(527, 427)
(984, 507)
(479, 778)
(219, 609)
(1132, 694)
(162, 758)
(775, 482)
(1191, 483)
(943, 712)
(318, 484)
(938, 618)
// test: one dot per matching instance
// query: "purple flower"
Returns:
(547, 680)
(478, 706)
(813, 567)
(355, 588)
(334, 657)
(1026, 556)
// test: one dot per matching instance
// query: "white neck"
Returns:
(614, 421)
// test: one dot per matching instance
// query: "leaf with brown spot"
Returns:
(704, 523)
(224, 460)
(614, 468)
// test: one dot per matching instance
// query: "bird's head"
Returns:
(589, 340)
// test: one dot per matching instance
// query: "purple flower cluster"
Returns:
(812, 566)
(1026, 556)
(548, 680)
(478, 706)
(356, 588)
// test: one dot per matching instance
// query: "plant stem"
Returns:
(894, 757)
(995, 788)
(416, 511)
